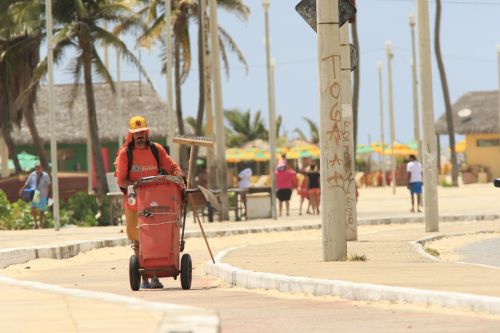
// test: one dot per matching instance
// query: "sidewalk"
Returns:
(391, 259)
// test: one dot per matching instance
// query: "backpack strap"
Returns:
(154, 150)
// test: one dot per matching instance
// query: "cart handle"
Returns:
(153, 224)
(151, 179)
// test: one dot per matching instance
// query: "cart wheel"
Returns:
(133, 272)
(186, 271)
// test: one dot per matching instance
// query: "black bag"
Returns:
(29, 193)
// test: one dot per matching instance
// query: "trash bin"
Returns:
(258, 205)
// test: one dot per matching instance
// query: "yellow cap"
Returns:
(137, 124)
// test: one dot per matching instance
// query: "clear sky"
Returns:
(469, 34)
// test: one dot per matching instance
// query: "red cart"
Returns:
(160, 201)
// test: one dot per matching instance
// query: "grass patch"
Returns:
(431, 251)
(357, 257)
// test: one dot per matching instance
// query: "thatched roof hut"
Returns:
(71, 124)
(483, 117)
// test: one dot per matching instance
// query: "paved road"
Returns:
(249, 311)
(486, 252)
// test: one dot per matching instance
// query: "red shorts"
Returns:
(303, 193)
(314, 191)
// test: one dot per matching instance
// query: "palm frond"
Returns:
(227, 40)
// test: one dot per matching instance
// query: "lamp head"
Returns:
(411, 20)
(388, 47)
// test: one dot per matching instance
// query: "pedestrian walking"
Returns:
(36, 190)
(286, 180)
(313, 188)
(303, 193)
(245, 177)
(414, 170)
(138, 157)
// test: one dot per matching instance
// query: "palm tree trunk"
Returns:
(446, 95)
(5, 116)
(31, 58)
(201, 95)
(356, 84)
(102, 186)
(37, 141)
(178, 103)
(12, 148)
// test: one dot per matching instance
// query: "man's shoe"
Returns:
(155, 283)
(145, 284)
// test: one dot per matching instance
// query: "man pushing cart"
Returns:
(155, 205)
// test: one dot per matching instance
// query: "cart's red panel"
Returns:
(159, 203)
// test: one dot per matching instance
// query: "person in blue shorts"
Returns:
(39, 182)
(414, 170)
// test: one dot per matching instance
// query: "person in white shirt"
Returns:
(414, 169)
(39, 182)
(245, 182)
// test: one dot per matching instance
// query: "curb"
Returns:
(176, 318)
(249, 279)
(13, 256)
(348, 290)
(418, 246)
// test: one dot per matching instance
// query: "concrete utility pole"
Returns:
(382, 140)
(429, 138)
(498, 59)
(333, 180)
(174, 149)
(272, 119)
(348, 135)
(53, 143)
(211, 161)
(219, 117)
(119, 97)
(416, 112)
(390, 55)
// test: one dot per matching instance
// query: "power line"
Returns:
(451, 2)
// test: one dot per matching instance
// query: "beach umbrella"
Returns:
(234, 155)
(304, 150)
(460, 146)
(363, 149)
(400, 149)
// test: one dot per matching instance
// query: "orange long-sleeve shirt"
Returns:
(143, 165)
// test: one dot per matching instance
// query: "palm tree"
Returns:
(243, 128)
(19, 58)
(79, 26)
(313, 129)
(446, 95)
(183, 11)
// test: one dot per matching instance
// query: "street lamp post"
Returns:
(416, 116)
(390, 55)
(382, 140)
(219, 118)
(53, 143)
(270, 96)
(429, 144)
(174, 151)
